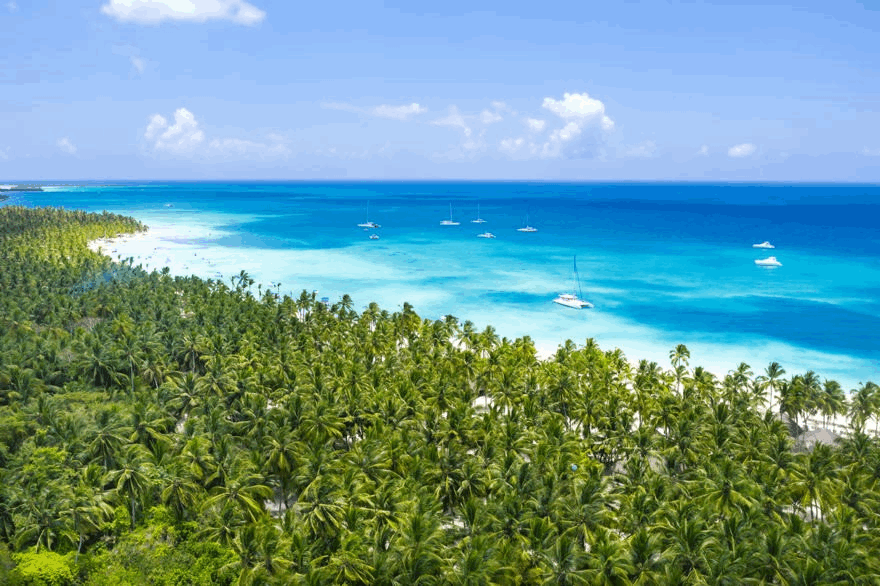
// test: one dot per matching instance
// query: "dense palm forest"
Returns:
(168, 430)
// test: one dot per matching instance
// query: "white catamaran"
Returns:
(450, 221)
(570, 299)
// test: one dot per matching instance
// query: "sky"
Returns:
(585, 90)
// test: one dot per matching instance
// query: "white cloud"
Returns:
(577, 107)
(341, 106)
(512, 145)
(644, 150)
(536, 125)
(487, 117)
(183, 137)
(704, 150)
(741, 150)
(585, 118)
(137, 63)
(155, 11)
(871, 152)
(501, 106)
(454, 119)
(12, 7)
(4, 154)
(398, 112)
(66, 146)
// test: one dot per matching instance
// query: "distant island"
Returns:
(20, 188)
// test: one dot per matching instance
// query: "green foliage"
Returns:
(45, 568)
(168, 430)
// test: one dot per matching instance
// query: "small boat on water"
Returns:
(367, 225)
(764, 244)
(768, 262)
(527, 227)
(571, 300)
(374, 236)
(486, 235)
(478, 219)
(450, 221)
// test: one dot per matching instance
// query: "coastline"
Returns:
(191, 249)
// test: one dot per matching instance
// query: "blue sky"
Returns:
(223, 89)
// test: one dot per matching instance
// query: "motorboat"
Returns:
(450, 221)
(764, 244)
(571, 300)
(486, 235)
(768, 262)
(374, 236)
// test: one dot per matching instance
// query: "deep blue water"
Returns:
(663, 263)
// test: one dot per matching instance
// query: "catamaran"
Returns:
(764, 244)
(478, 220)
(571, 300)
(770, 261)
(527, 228)
(486, 235)
(450, 221)
(368, 224)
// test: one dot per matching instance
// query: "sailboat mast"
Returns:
(577, 278)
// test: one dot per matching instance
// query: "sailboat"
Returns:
(368, 224)
(571, 300)
(450, 221)
(527, 228)
(478, 219)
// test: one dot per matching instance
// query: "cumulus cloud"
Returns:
(536, 125)
(137, 63)
(585, 119)
(741, 150)
(155, 11)
(704, 150)
(11, 7)
(398, 112)
(66, 146)
(182, 137)
(871, 152)
(487, 117)
(455, 120)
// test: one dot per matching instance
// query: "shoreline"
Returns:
(189, 246)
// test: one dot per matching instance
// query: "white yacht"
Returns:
(571, 300)
(764, 244)
(450, 221)
(374, 236)
(368, 224)
(527, 228)
(768, 262)
(486, 235)
(478, 219)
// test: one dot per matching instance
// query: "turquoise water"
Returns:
(663, 263)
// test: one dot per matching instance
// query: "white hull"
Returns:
(369, 225)
(572, 302)
(449, 223)
(763, 245)
(478, 221)
(768, 262)
(486, 235)
(527, 229)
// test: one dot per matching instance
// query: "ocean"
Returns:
(663, 263)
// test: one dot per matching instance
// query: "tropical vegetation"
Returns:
(158, 429)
